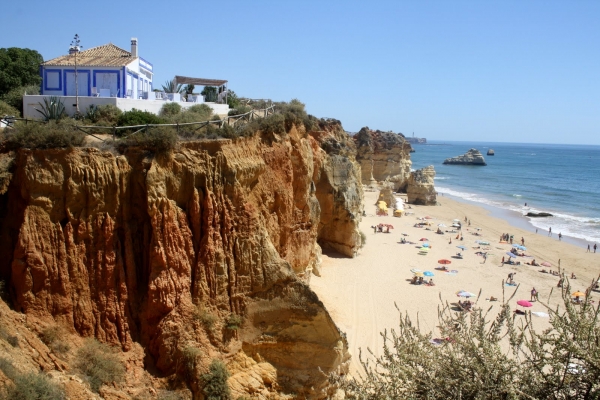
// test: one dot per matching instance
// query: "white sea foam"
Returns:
(441, 178)
(579, 227)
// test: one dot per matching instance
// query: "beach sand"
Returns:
(360, 293)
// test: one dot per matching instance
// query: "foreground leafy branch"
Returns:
(483, 356)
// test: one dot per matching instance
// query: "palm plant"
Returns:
(171, 87)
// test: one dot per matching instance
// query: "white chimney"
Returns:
(134, 47)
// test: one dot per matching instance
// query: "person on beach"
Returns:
(522, 241)
(588, 250)
(560, 282)
(595, 247)
(510, 278)
(502, 260)
(484, 257)
(536, 230)
(550, 231)
(559, 236)
(374, 228)
(534, 294)
(573, 276)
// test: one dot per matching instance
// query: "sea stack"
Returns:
(471, 157)
(490, 152)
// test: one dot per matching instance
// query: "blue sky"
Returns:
(514, 71)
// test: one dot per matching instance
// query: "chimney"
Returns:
(134, 47)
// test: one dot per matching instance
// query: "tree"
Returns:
(477, 357)
(232, 99)
(19, 67)
(209, 93)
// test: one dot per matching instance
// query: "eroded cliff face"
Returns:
(131, 248)
(383, 156)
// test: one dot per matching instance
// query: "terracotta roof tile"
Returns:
(107, 55)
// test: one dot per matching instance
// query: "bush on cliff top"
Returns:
(51, 135)
(158, 140)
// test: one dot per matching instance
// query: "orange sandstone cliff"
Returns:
(136, 250)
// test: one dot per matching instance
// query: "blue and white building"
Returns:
(103, 71)
(109, 74)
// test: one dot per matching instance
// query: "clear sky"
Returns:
(515, 71)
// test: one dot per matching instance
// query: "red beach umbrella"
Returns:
(524, 303)
(444, 261)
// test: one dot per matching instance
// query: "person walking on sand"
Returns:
(559, 236)
(502, 260)
(522, 241)
(550, 231)
(595, 247)
(588, 250)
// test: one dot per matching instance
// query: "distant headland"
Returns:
(415, 140)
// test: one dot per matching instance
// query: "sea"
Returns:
(560, 179)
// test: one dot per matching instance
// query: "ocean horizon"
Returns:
(524, 177)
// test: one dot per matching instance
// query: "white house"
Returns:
(110, 75)
(106, 71)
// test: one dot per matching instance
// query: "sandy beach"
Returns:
(360, 293)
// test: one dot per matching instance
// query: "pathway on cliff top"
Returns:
(360, 293)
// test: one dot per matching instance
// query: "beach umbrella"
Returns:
(423, 240)
(578, 294)
(425, 244)
(482, 242)
(464, 293)
(456, 220)
(462, 247)
(546, 264)
(508, 253)
(418, 274)
(442, 225)
(413, 270)
(428, 273)
(456, 225)
(444, 261)
(524, 303)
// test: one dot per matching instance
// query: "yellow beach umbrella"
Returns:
(578, 294)
(418, 274)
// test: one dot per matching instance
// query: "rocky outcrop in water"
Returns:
(383, 156)
(538, 215)
(490, 152)
(471, 157)
(138, 251)
(421, 188)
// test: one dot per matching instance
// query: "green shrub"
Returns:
(239, 110)
(273, 124)
(138, 117)
(99, 363)
(108, 115)
(216, 387)
(233, 322)
(170, 109)
(189, 359)
(201, 109)
(14, 98)
(8, 110)
(54, 134)
(55, 338)
(206, 318)
(28, 386)
(157, 140)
